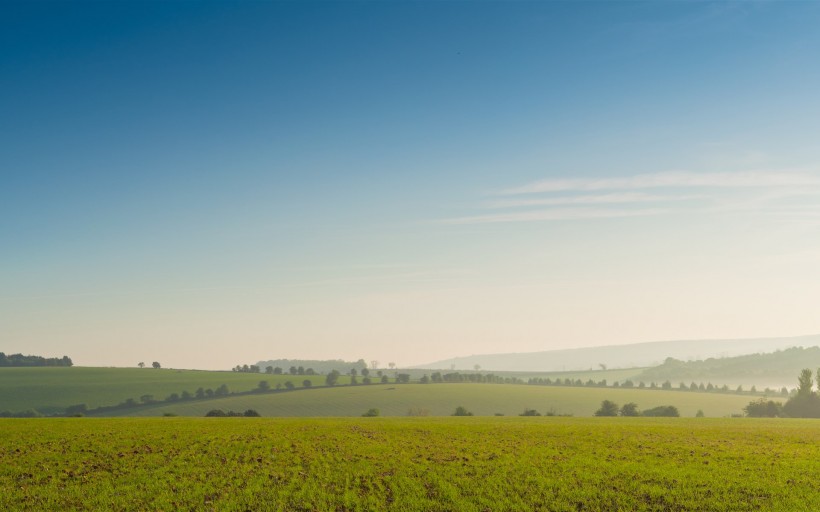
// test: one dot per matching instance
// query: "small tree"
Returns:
(263, 386)
(222, 390)
(156, 365)
(332, 378)
(251, 413)
(630, 409)
(608, 408)
(371, 413)
(462, 411)
(530, 412)
(307, 383)
(289, 385)
(141, 364)
(384, 379)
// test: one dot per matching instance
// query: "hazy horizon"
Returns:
(209, 184)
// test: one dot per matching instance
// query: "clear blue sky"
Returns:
(207, 184)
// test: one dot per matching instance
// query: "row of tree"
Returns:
(667, 385)
(21, 360)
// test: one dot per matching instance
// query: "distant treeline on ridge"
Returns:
(319, 366)
(21, 360)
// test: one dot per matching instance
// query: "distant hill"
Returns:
(776, 369)
(622, 356)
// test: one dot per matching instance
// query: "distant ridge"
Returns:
(622, 356)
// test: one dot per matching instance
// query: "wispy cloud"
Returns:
(598, 198)
(672, 179)
(555, 214)
(616, 198)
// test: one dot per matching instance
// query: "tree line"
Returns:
(21, 360)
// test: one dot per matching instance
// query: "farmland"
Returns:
(441, 400)
(409, 464)
(53, 389)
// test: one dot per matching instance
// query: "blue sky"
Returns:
(216, 183)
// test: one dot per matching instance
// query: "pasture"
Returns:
(53, 389)
(442, 399)
(409, 464)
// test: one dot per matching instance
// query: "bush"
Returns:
(371, 413)
(630, 409)
(251, 413)
(761, 408)
(664, 410)
(461, 411)
(608, 408)
(530, 412)
(215, 413)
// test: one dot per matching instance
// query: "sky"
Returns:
(212, 184)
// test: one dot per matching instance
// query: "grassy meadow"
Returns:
(53, 389)
(409, 464)
(442, 399)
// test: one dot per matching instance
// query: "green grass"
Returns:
(53, 389)
(442, 399)
(410, 464)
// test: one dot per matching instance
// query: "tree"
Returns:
(476, 367)
(293, 370)
(147, 399)
(277, 371)
(462, 411)
(307, 383)
(804, 383)
(156, 364)
(371, 413)
(761, 408)
(391, 365)
(222, 390)
(402, 378)
(141, 364)
(365, 372)
(332, 378)
(263, 386)
(385, 380)
(251, 413)
(630, 409)
(530, 412)
(186, 395)
(269, 369)
(289, 385)
(199, 393)
(608, 408)
(805, 403)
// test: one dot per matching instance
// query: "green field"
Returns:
(409, 464)
(442, 399)
(53, 389)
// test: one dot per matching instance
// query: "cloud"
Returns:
(616, 198)
(555, 214)
(671, 179)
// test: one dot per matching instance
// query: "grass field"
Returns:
(409, 464)
(53, 389)
(442, 399)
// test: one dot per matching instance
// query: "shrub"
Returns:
(371, 413)
(461, 411)
(663, 410)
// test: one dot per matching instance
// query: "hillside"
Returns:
(776, 369)
(442, 399)
(621, 356)
(49, 390)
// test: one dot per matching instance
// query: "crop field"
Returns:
(53, 389)
(442, 399)
(409, 464)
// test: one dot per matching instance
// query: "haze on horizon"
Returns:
(206, 184)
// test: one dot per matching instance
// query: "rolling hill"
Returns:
(622, 356)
